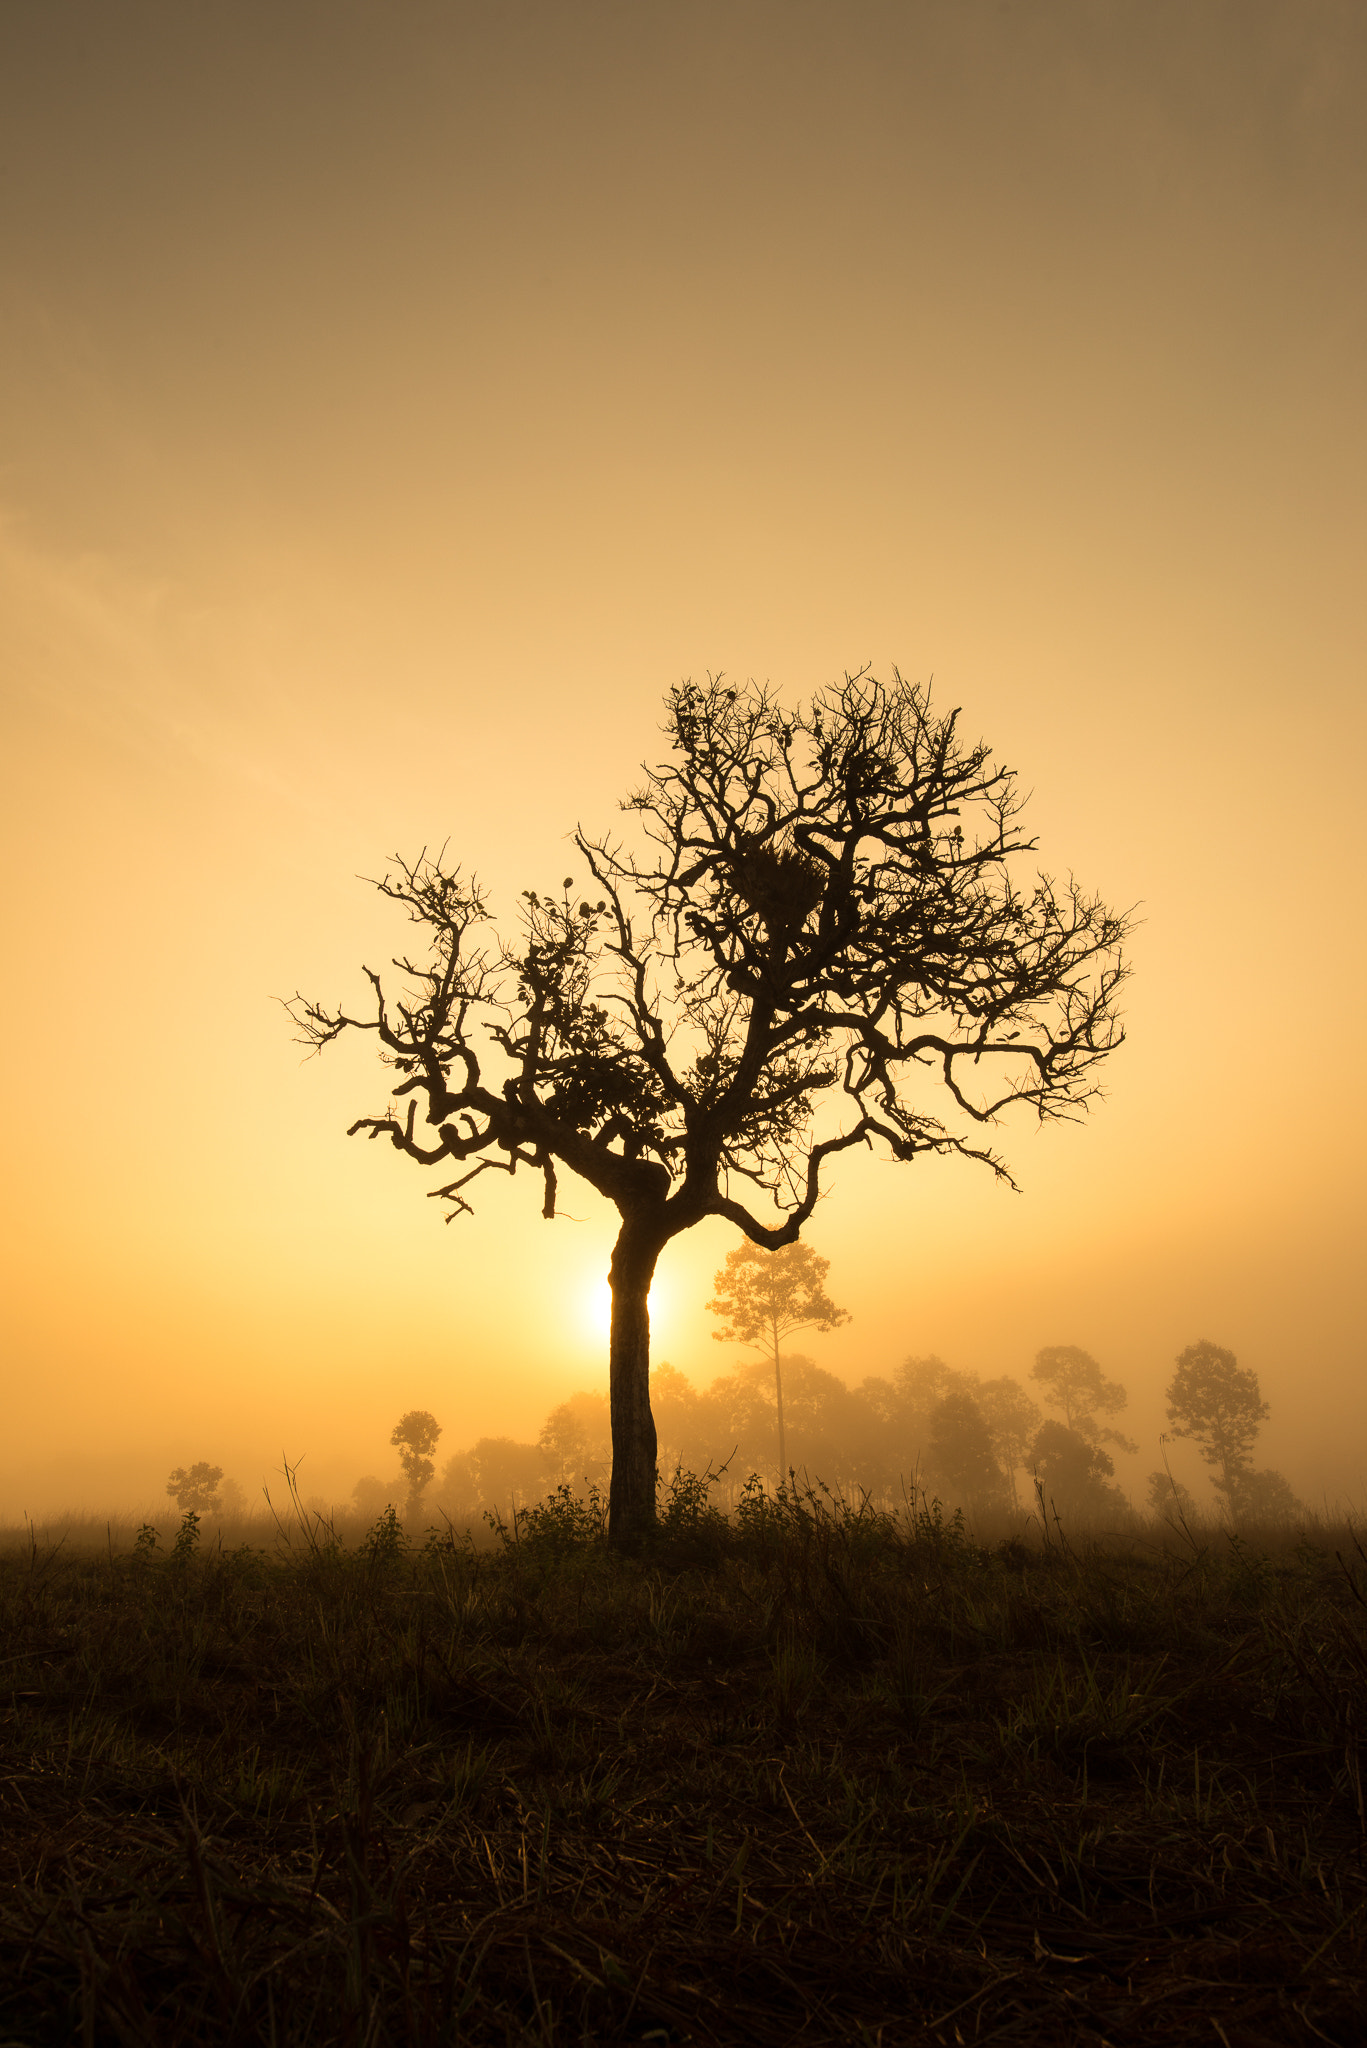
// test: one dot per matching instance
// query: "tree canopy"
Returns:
(822, 934)
(1074, 1382)
(194, 1489)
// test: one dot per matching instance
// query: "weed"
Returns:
(187, 1539)
(385, 1544)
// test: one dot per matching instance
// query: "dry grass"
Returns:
(807, 1776)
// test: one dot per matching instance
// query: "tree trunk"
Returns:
(631, 1496)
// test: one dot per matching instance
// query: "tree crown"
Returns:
(195, 1487)
(763, 1295)
(1076, 1384)
(416, 1433)
(822, 905)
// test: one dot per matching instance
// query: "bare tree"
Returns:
(820, 940)
(763, 1296)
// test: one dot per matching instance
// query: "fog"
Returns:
(393, 407)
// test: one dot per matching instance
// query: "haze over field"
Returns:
(395, 403)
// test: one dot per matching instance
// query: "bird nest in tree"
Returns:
(781, 884)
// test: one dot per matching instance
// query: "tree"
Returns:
(1074, 1382)
(458, 1489)
(1074, 1472)
(564, 1442)
(961, 1454)
(415, 1436)
(370, 1496)
(508, 1474)
(195, 1490)
(763, 1296)
(1013, 1420)
(1266, 1497)
(821, 938)
(232, 1500)
(680, 1418)
(1216, 1402)
(1168, 1496)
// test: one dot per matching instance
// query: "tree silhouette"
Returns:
(1072, 1471)
(415, 1435)
(564, 1442)
(1168, 1496)
(195, 1490)
(822, 910)
(507, 1474)
(1074, 1382)
(763, 1296)
(1267, 1497)
(1216, 1402)
(961, 1454)
(1013, 1420)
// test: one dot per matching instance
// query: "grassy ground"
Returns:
(806, 1776)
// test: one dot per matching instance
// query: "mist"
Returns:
(393, 414)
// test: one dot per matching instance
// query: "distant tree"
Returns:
(458, 1489)
(195, 1488)
(371, 1496)
(923, 1378)
(1074, 1473)
(678, 1414)
(763, 1296)
(1167, 1495)
(1266, 1497)
(564, 1442)
(1074, 1382)
(1013, 1420)
(232, 1500)
(961, 1454)
(415, 1438)
(508, 1474)
(919, 1384)
(821, 920)
(1216, 1402)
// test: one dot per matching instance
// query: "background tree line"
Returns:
(976, 1443)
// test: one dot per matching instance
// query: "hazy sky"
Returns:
(396, 400)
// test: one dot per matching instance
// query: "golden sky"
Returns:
(396, 400)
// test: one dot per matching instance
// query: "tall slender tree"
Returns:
(822, 937)
(415, 1436)
(763, 1296)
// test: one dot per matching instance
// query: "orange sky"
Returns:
(395, 401)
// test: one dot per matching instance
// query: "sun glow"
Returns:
(598, 1307)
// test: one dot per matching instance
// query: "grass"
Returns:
(810, 1774)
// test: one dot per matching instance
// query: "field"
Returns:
(810, 1774)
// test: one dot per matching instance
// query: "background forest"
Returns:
(974, 1443)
